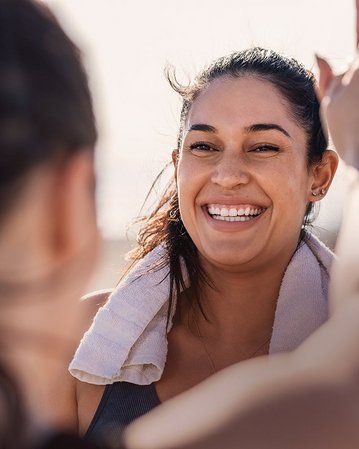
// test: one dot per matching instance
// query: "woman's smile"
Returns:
(232, 224)
(231, 217)
(242, 212)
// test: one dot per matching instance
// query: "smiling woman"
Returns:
(225, 268)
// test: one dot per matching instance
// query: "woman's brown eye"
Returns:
(265, 148)
(201, 147)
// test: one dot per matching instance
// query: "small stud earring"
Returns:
(321, 192)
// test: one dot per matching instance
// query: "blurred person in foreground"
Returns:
(308, 398)
(48, 235)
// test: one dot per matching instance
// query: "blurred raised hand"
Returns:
(340, 109)
(340, 104)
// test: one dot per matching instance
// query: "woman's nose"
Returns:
(230, 173)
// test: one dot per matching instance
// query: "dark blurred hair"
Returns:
(45, 105)
(45, 117)
(295, 84)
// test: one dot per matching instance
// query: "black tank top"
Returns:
(121, 403)
(68, 441)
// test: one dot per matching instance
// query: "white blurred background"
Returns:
(127, 44)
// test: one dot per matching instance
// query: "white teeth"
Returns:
(219, 217)
(233, 214)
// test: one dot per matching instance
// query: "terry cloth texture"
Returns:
(127, 340)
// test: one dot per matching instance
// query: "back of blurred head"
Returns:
(48, 231)
(45, 106)
(46, 115)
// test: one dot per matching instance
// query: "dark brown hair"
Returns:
(45, 105)
(164, 225)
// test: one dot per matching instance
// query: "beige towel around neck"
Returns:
(127, 340)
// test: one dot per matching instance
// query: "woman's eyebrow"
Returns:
(266, 127)
(257, 127)
(202, 127)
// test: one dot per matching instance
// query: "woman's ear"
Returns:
(74, 212)
(323, 174)
(53, 222)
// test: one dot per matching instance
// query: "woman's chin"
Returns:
(230, 256)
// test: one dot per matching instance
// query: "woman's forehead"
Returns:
(240, 101)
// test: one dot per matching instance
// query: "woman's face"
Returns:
(242, 174)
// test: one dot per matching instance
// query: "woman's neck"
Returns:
(242, 303)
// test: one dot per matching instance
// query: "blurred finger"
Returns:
(335, 85)
(357, 21)
(326, 75)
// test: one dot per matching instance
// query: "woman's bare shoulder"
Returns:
(93, 301)
(88, 396)
(89, 306)
(98, 297)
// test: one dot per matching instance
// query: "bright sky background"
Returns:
(128, 43)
